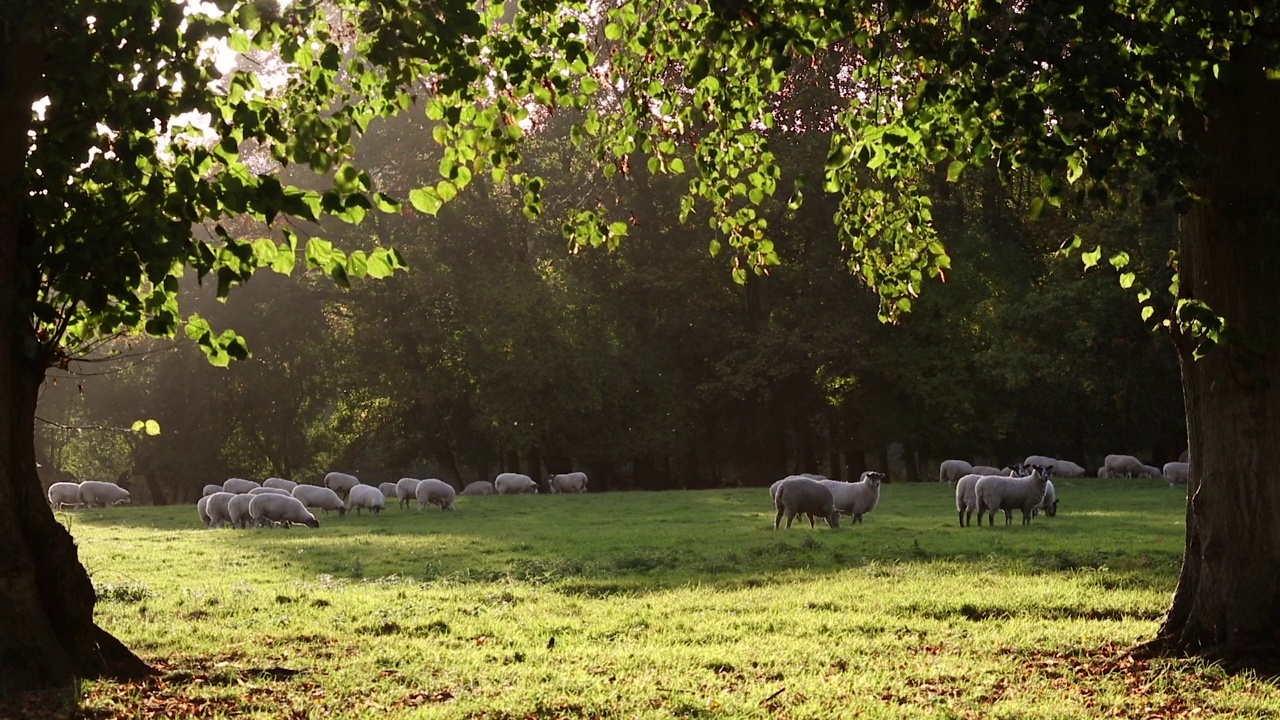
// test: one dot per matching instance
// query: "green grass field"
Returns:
(662, 605)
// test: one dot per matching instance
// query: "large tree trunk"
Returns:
(1227, 603)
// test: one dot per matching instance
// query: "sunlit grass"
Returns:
(678, 604)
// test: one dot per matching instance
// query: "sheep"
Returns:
(480, 487)
(436, 492)
(388, 490)
(514, 484)
(1038, 460)
(268, 491)
(1066, 469)
(275, 482)
(1176, 473)
(1123, 466)
(239, 485)
(856, 498)
(366, 496)
(407, 491)
(268, 509)
(217, 507)
(988, 470)
(574, 482)
(1151, 471)
(967, 498)
(952, 470)
(1050, 503)
(1185, 456)
(313, 496)
(97, 493)
(795, 495)
(340, 483)
(64, 493)
(1007, 494)
(238, 508)
(202, 511)
(210, 489)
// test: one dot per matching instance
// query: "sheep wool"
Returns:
(800, 495)
(856, 498)
(406, 491)
(1011, 493)
(574, 482)
(433, 491)
(480, 487)
(284, 509)
(952, 470)
(365, 497)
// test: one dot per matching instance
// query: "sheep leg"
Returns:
(777, 520)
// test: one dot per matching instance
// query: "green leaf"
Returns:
(613, 31)
(1126, 280)
(1147, 312)
(954, 170)
(1092, 257)
(425, 200)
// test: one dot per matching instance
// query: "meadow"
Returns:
(655, 605)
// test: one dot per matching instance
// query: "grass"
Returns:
(661, 605)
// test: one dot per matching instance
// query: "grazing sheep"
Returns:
(314, 496)
(514, 484)
(275, 482)
(388, 490)
(1122, 466)
(1150, 471)
(218, 508)
(1177, 473)
(796, 495)
(211, 489)
(239, 485)
(98, 493)
(967, 498)
(268, 490)
(238, 509)
(1050, 503)
(340, 483)
(436, 492)
(480, 487)
(1010, 493)
(574, 482)
(856, 498)
(988, 470)
(288, 511)
(366, 496)
(1038, 460)
(64, 493)
(202, 511)
(407, 491)
(952, 470)
(1066, 469)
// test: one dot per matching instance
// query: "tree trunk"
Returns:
(1227, 604)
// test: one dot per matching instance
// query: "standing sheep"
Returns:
(210, 489)
(217, 507)
(340, 483)
(239, 485)
(989, 470)
(952, 470)
(313, 496)
(796, 495)
(288, 511)
(238, 508)
(574, 482)
(432, 491)
(406, 491)
(366, 496)
(275, 482)
(388, 490)
(856, 498)
(202, 511)
(1176, 473)
(1038, 460)
(1066, 469)
(98, 493)
(1050, 503)
(967, 498)
(64, 493)
(514, 484)
(1122, 466)
(480, 487)
(1009, 494)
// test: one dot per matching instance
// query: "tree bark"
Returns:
(1226, 607)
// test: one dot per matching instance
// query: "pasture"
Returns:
(661, 605)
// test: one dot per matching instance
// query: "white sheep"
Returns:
(366, 496)
(238, 508)
(211, 489)
(432, 491)
(202, 511)
(1151, 471)
(1038, 460)
(989, 470)
(796, 495)
(64, 493)
(967, 498)
(480, 487)
(1176, 473)
(1185, 456)
(239, 485)
(1122, 466)
(407, 491)
(574, 482)
(1066, 469)
(275, 482)
(268, 490)
(98, 493)
(388, 490)
(514, 484)
(340, 483)
(856, 498)
(269, 509)
(1011, 493)
(952, 470)
(314, 496)
(217, 507)
(1050, 503)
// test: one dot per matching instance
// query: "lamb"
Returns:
(340, 483)
(238, 509)
(366, 496)
(574, 482)
(217, 507)
(514, 484)
(952, 470)
(407, 491)
(480, 487)
(97, 493)
(64, 493)
(268, 490)
(275, 482)
(1009, 494)
(313, 496)
(388, 490)
(267, 509)
(436, 492)
(210, 489)
(795, 495)
(1066, 469)
(202, 511)
(239, 485)
(1122, 466)
(1175, 473)
(856, 498)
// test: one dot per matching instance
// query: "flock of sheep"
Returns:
(1114, 466)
